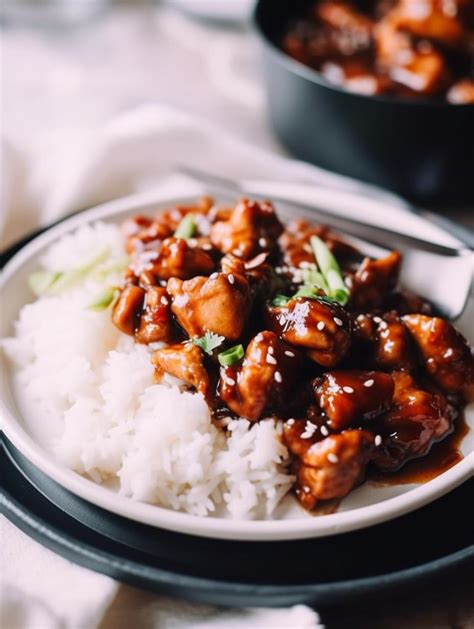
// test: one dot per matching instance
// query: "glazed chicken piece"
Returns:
(127, 309)
(295, 244)
(156, 320)
(374, 280)
(178, 259)
(356, 76)
(446, 353)
(344, 17)
(416, 420)
(252, 227)
(172, 218)
(461, 92)
(268, 373)
(417, 66)
(220, 303)
(437, 20)
(351, 396)
(406, 302)
(233, 264)
(184, 361)
(328, 468)
(384, 341)
(319, 327)
(142, 233)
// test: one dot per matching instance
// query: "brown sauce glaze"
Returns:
(356, 386)
(442, 456)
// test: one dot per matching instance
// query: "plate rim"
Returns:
(237, 529)
(162, 576)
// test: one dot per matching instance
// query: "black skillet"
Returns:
(423, 150)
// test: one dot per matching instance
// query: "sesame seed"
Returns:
(290, 421)
(377, 320)
(337, 321)
(270, 350)
(213, 276)
(164, 301)
(368, 383)
(278, 377)
(306, 435)
(229, 381)
(348, 389)
(290, 354)
(271, 360)
(206, 246)
(231, 278)
(333, 458)
(321, 325)
(378, 440)
(383, 325)
(262, 242)
(305, 489)
(448, 352)
(324, 431)
(259, 337)
(310, 426)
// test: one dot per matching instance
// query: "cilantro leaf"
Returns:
(209, 342)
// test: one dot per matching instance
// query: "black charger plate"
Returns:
(380, 560)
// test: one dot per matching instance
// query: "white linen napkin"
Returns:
(136, 151)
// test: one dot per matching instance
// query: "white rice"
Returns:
(96, 385)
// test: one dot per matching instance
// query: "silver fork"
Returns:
(441, 273)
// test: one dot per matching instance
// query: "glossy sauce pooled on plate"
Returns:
(291, 322)
(408, 48)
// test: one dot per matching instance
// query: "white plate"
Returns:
(365, 506)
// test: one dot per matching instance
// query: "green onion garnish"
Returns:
(312, 277)
(104, 300)
(306, 291)
(209, 342)
(115, 267)
(41, 281)
(330, 270)
(231, 355)
(45, 282)
(280, 300)
(187, 227)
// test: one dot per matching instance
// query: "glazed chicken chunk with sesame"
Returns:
(293, 324)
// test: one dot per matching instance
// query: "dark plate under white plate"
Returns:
(403, 553)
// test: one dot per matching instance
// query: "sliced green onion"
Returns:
(115, 267)
(104, 300)
(209, 342)
(41, 281)
(312, 277)
(331, 271)
(306, 291)
(231, 355)
(280, 300)
(187, 227)
(324, 256)
(52, 283)
(337, 288)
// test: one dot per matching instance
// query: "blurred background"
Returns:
(69, 67)
(71, 64)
